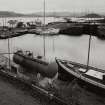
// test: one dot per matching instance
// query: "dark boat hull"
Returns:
(36, 65)
(91, 87)
(83, 83)
(64, 75)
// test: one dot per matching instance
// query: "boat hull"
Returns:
(82, 82)
(64, 75)
(36, 65)
(90, 87)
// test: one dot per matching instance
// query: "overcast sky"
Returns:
(30, 6)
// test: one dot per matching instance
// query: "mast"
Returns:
(53, 45)
(44, 26)
(89, 47)
(4, 24)
(9, 63)
(9, 53)
(90, 36)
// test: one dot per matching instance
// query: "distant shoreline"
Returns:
(50, 14)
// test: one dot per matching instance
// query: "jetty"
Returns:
(5, 34)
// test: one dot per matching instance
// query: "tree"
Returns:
(12, 23)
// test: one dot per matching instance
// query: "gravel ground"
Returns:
(16, 93)
(10, 95)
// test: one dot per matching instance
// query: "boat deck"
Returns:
(73, 69)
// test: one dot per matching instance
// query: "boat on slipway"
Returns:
(37, 64)
(34, 72)
(92, 77)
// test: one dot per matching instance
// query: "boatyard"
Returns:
(19, 92)
(58, 90)
(52, 53)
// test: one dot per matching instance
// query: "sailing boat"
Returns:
(91, 77)
(47, 31)
(38, 63)
(44, 30)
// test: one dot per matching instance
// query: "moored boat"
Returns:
(48, 31)
(92, 77)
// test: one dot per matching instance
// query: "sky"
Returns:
(31, 6)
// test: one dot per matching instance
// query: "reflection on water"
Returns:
(61, 46)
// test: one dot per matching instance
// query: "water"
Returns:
(60, 46)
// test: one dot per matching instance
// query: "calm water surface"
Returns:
(61, 46)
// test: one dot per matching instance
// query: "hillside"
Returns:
(40, 14)
(92, 15)
(9, 14)
(49, 14)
